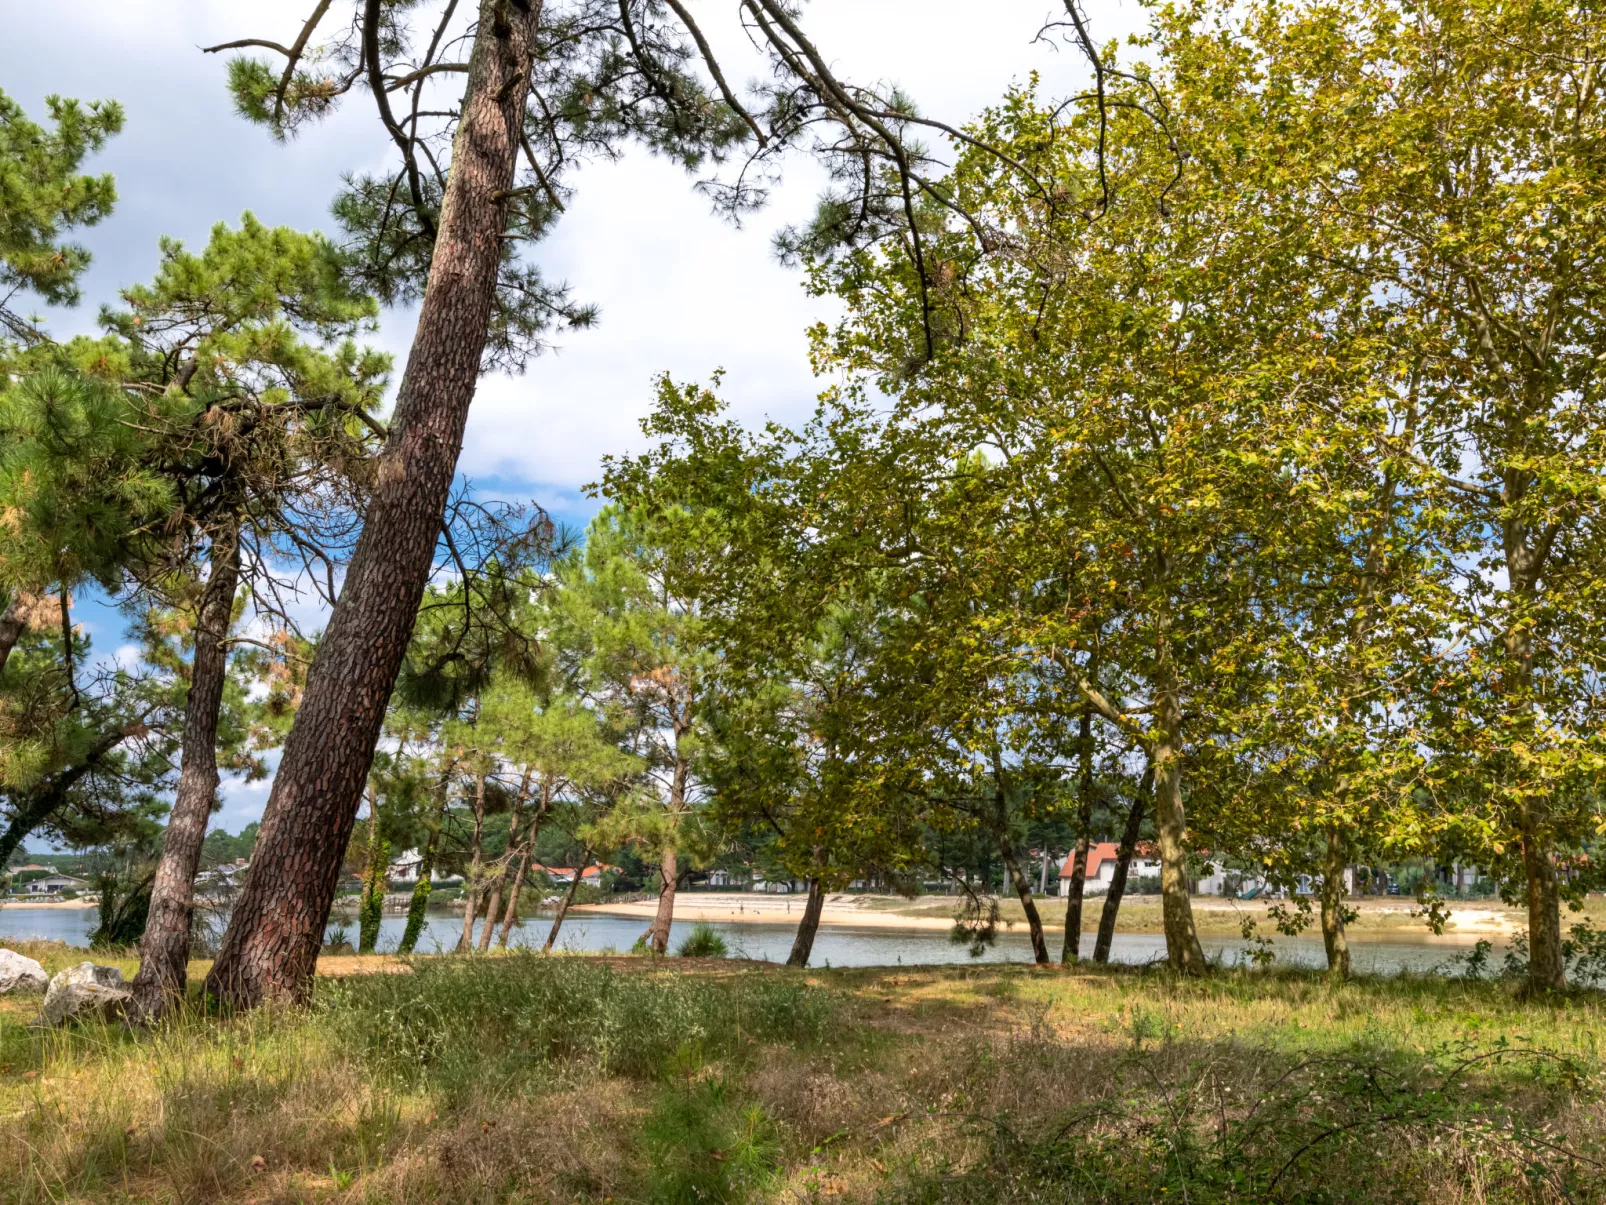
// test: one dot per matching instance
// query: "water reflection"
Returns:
(839, 946)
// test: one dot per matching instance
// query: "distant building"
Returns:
(55, 884)
(404, 871)
(1101, 869)
(590, 876)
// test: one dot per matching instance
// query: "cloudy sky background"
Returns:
(680, 290)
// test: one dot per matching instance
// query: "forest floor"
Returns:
(564, 1079)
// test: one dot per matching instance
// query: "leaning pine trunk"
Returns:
(164, 949)
(1071, 948)
(1333, 895)
(1123, 863)
(1182, 947)
(271, 947)
(474, 886)
(563, 907)
(803, 943)
(658, 932)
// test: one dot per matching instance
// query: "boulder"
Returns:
(20, 975)
(85, 990)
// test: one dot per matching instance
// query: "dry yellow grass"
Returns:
(711, 1082)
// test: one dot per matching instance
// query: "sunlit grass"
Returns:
(577, 1079)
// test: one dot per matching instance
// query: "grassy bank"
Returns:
(577, 1079)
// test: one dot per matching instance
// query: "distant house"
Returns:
(404, 872)
(779, 886)
(1101, 869)
(562, 876)
(55, 884)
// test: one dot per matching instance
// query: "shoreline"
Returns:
(77, 905)
(1389, 920)
(1381, 919)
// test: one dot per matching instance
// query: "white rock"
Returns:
(85, 990)
(20, 975)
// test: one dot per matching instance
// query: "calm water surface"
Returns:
(835, 945)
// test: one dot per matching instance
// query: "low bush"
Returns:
(704, 941)
(455, 1022)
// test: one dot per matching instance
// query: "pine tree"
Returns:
(42, 196)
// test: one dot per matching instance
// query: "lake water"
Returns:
(834, 945)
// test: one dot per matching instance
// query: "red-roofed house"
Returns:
(1101, 869)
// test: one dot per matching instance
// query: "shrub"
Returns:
(459, 1022)
(703, 942)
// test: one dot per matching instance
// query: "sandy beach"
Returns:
(862, 911)
(1386, 917)
(33, 905)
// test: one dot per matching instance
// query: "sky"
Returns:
(680, 290)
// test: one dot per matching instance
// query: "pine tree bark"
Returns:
(271, 946)
(803, 943)
(473, 885)
(1123, 863)
(164, 948)
(1071, 947)
(1183, 951)
(658, 931)
(1017, 877)
(1333, 896)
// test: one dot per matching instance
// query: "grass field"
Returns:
(568, 1079)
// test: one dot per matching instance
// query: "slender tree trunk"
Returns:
(13, 622)
(1123, 863)
(1017, 878)
(1071, 948)
(658, 931)
(511, 917)
(418, 909)
(563, 905)
(371, 902)
(493, 909)
(803, 943)
(474, 885)
(1547, 966)
(271, 946)
(164, 949)
(1333, 896)
(1182, 947)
